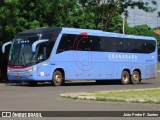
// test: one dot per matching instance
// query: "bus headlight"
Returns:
(22, 72)
(32, 69)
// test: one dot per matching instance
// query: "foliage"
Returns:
(13, 20)
(19, 15)
(156, 28)
(105, 9)
(142, 30)
(115, 24)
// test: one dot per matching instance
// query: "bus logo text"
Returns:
(122, 56)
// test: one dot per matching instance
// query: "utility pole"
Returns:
(146, 17)
(157, 20)
(134, 18)
(123, 25)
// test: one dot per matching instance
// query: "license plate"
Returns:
(18, 77)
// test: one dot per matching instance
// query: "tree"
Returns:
(143, 30)
(66, 13)
(13, 20)
(19, 15)
(105, 9)
(115, 24)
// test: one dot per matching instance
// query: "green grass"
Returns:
(151, 96)
(158, 65)
(137, 96)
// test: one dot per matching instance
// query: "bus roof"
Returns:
(39, 31)
(78, 31)
(104, 33)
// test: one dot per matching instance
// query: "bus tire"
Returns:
(57, 79)
(125, 77)
(135, 78)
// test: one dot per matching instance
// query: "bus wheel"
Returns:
(135, 78)
(58, 78)
(125, 78)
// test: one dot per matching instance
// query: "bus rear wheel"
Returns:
(125, 78)
(135, 78)
(58, 78)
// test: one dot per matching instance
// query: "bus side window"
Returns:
(84, 45)
(126, 45)
(66, 43)
(106, 44)
(49, 48)
(41, 55)
(95, 43)
(148, 46)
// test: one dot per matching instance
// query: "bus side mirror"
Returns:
(4, 46)
(34, 45)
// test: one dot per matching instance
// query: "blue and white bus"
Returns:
(59, 54)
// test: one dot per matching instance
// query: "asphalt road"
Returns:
(17, 97)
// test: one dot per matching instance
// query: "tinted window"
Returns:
(52, 36)
(88, 43)
(66, 43)
(105, 44)
(110, 44)
(79, 42)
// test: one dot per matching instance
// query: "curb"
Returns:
(2, 84)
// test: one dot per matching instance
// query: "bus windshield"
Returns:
(21, 51)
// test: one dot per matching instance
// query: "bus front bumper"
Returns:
(27, 75)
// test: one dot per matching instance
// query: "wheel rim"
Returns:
(125, 78)
(58, 78)
(136, 77)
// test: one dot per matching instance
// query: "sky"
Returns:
(137, 17)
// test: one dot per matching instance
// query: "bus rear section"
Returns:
(108, 57)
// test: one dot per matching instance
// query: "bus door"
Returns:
(40, 49)
(42, 66)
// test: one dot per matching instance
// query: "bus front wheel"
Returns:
(58, 78)
(125, 78)
(135, 78)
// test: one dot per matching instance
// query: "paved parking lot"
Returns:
(17, 97)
